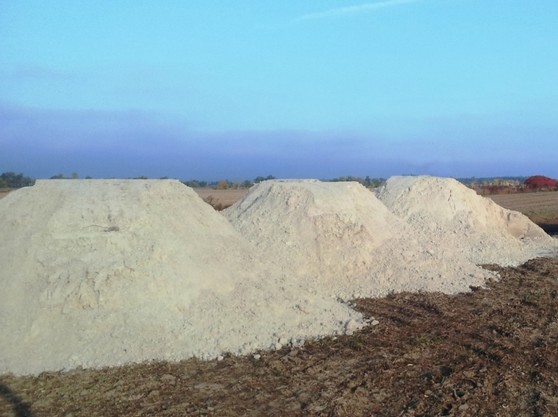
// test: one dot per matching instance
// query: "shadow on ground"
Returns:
(550, 228)
(18, 407)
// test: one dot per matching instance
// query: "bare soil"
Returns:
(490, 352)
(4, 192)
(540, 207)
(221, 199)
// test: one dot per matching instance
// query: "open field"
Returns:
(491, 352)
(541, 205)
(4, 192)
(221, 198)
(541, 208)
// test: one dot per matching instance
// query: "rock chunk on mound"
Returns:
(106, 272)
(340, 240)
(453, 218)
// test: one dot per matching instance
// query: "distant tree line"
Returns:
(72, 176)
(509, 185)
(226, 184)
(483, 185)
(13, 180)
(366, 181)
(476, 181)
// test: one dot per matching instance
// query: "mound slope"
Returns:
(339, 239)
(105, 272)
(452, 217)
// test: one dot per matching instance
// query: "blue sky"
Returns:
(316, 88)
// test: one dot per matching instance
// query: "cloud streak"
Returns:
(104, 144)
(34, 73)
(361, 8)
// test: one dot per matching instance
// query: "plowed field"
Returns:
(490, 352)
(542, 208)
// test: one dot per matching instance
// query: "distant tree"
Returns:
(3, 183)
(246, 184)
(88, 177)
(13, 180)
(195, 183)
(58, 177)
(222, 185)
(260, 178)
(540, 182)
(74, 175)
(376, 182)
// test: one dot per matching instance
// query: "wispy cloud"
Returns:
(361, 8)
(35, 72)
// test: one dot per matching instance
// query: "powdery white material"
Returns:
(106, 272)
(339, 239)
(453, 218)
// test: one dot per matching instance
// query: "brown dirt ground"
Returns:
(528, 202)
(221, 199)
(4, 192)
(490, 352)
(540, 207)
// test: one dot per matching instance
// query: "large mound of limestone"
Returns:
(106, 272)
(451, 217)
(339, 239)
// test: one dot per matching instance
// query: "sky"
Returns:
(295, 89)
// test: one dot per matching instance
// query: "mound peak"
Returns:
(456, 218)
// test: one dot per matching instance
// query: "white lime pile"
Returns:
(452, 218)
(340, 240)
(100, 273)
(107, 272)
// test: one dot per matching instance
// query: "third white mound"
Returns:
(452, 218)
(339, 239)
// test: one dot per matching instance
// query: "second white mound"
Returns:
(99, 273)
(453, 218)
(339, 239)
